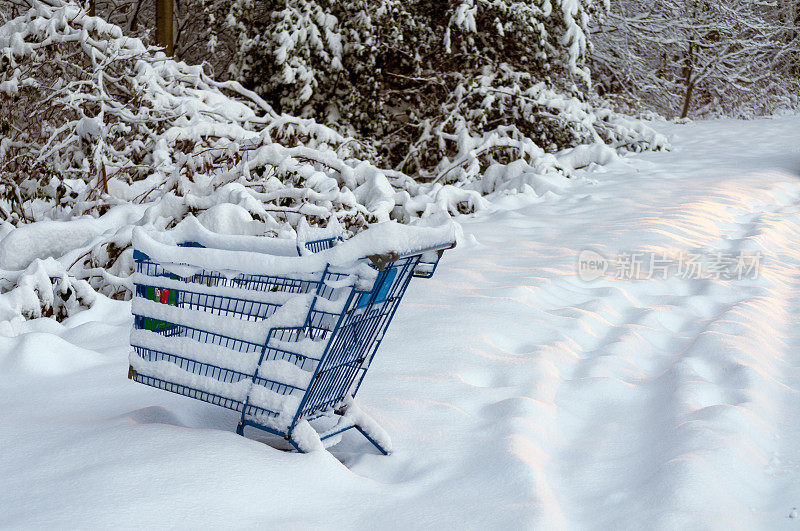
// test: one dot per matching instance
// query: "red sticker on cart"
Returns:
(164, 296)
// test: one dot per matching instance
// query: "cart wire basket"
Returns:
(279, 330)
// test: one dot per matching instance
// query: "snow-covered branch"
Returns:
(101, 132)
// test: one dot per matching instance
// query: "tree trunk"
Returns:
(135, 18)
(687, 100)
(92, 6)
(164, 20)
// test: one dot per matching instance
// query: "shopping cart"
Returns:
(286, 340)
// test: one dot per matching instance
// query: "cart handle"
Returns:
(380, 261)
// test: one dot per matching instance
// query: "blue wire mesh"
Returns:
(351, 336)
(316, 246)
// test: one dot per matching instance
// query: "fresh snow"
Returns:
(292, 313)
(226, 252)
(207, 353)
(517, 395)
(44, 240)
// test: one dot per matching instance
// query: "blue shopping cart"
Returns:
(283, 333)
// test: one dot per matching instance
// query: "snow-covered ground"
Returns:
(519, 394)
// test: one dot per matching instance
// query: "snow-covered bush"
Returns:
(101, 133)
(440, 90)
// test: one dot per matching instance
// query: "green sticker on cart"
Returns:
(163, 296)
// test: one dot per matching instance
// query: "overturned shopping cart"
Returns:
(278, 330)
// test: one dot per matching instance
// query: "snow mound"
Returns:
(229, 219)
(45, 239)
(41, 354)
